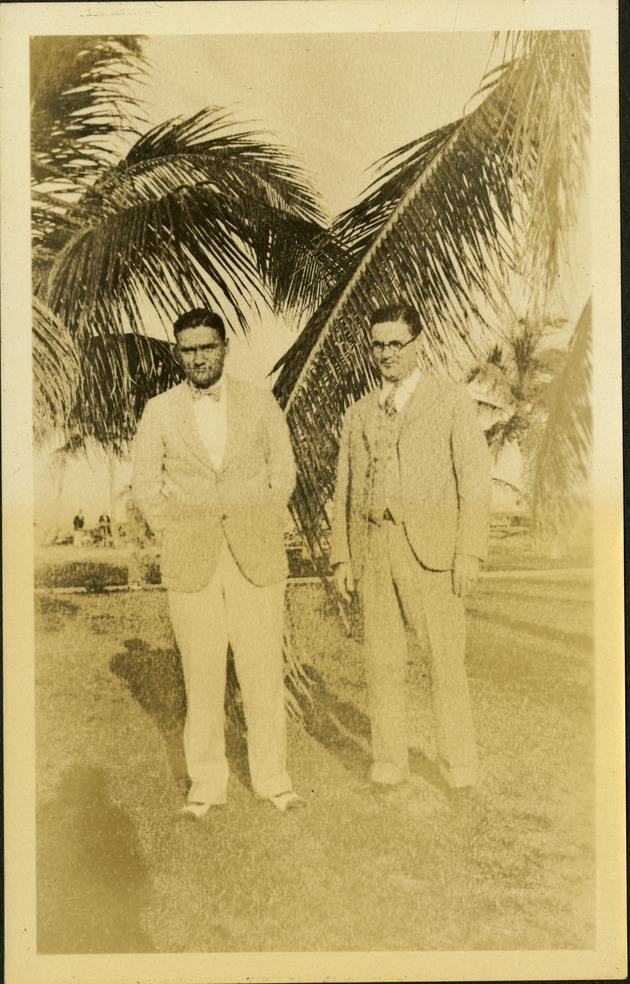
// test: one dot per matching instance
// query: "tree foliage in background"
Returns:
(56, 372)
(80, 100)
(80, 107)
(517, 376)
(122, 372)
(447, 223)
(560, 472)
(197, 211)
(542, 396)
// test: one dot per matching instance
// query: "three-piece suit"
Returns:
(413, 492)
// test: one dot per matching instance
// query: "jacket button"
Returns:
(224, 516)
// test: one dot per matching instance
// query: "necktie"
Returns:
(389, 405)
(214, 392)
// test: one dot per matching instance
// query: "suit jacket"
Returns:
(180, 494)
(444, 477)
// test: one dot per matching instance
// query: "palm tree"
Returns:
(560, 472)
(78, 103)
(56, 372)
(516, 376)
(541, 394)
(198, 211)
(449, 222)
(80, 100)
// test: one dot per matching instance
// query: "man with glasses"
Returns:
(213, 471)
(409, 530)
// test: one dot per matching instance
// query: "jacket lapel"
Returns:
(370, 418)
(419, 402)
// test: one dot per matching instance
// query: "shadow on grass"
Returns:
(92, 881)
(343, 729)
(155, 680)
(338, 726)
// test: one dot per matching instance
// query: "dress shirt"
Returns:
(211, 417)
(404, 390)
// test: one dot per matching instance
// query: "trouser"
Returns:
(397, 591)
(231, 610)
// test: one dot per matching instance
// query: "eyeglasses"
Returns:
(379, 347)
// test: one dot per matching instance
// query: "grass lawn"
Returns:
(352, 872)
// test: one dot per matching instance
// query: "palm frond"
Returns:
(549, 148)
(441, 229)
(397, 173)
(80, 99)
(56, 373)
(561, 470)
(197, 213)
(502, 483)
(493, 379)
(119, 373)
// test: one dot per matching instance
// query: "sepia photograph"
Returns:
(312, 458)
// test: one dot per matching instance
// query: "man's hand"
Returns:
(465, 573)
(344, 581)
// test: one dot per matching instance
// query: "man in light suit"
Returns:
(213, 472)
(409, 530)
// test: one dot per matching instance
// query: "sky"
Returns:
(339, 101)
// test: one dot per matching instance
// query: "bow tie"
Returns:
(214, 392)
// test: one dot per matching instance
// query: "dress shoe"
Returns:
(192, 812)
(288, 800)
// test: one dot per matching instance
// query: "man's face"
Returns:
(201, 352)
(394, 350)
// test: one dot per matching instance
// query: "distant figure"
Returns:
(213, 470)
(78, 523)
(104, 529)
(409, 529)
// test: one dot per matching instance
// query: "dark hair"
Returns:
(198, 317)
(398, 312)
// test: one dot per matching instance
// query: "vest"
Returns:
(385, 486)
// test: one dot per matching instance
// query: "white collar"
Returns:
(407, 385)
